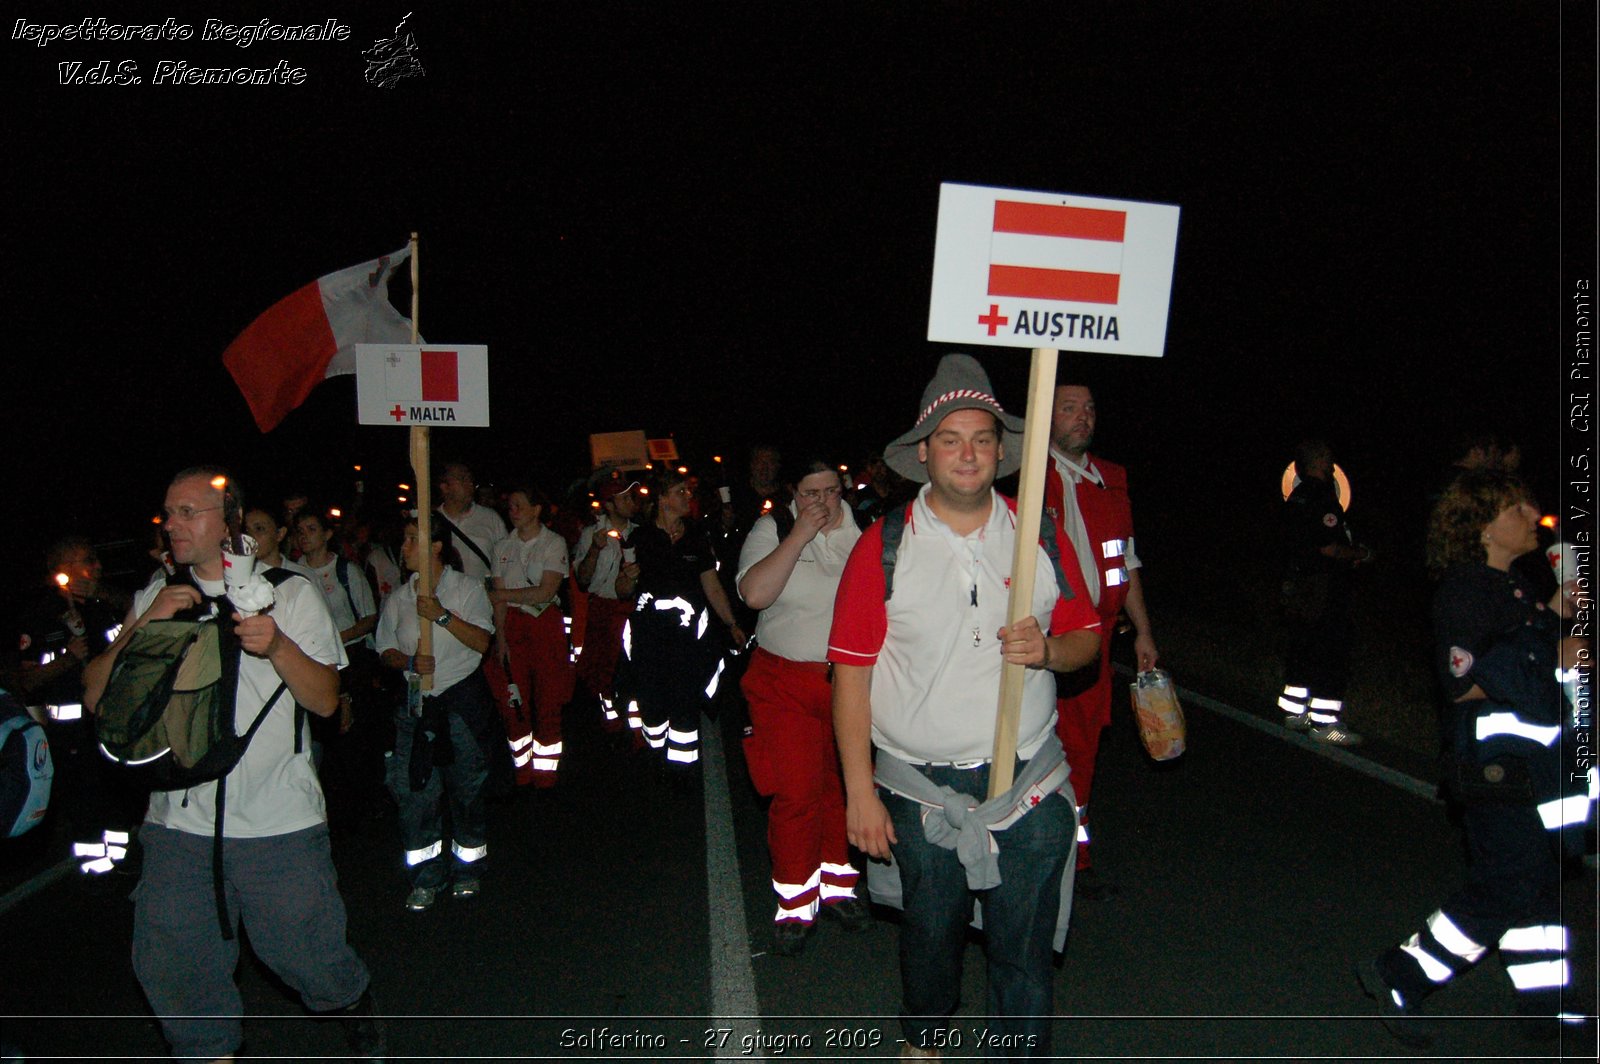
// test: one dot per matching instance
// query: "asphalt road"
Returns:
(624, 920)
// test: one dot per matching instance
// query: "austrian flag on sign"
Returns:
(1048, 251)
(414, 384)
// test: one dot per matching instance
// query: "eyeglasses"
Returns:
(186, 513)
(815, 494)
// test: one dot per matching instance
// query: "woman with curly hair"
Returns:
(1497, 653)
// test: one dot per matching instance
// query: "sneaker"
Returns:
(363, 1030)
(1399, 1019)
(420, 899)
(1296, 722)
(464, 889)
(789, 937)
(1335, 735)
(852, 914)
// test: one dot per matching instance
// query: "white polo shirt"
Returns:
(399, 625)
(520, 563)
(609, 561)
(796, 625)
(935, 655)
(485, 528)
(272, 790)
(326, 579)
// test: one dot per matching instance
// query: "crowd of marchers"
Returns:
(858, 619)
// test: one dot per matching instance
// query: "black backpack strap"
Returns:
(465, 539)
(894, 526)
(784, 520)
(217, 879)
(1052, 549)
(341, 570)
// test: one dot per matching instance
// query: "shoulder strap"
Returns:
(217, 882)
(1052, 550)
(784, 520)
(894, 526)
(341, 570)
(464, 538)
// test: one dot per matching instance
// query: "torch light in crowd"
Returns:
(1548, 521)
(766, 506)
(683, 470)
(358, 469)
(62, 580)
(642, 490)
(717, 458)
(613, 533)
(156, 520)
(595, 503)
(403, 487)
(335, 513)
(402, 498)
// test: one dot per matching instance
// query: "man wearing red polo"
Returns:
(1097, 518)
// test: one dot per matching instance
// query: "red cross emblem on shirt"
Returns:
(1033, 799)
(1460, 662)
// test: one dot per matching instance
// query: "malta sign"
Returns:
(1047, 270)
(423, 384)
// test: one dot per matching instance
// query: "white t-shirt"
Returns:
(453, 660)
(272, 790)
(485, 528)
(520, 563)
(339, 604)
(796, 625)
(609, 561)
(386, 571)
(935, 655)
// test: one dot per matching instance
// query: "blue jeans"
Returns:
(461, 783)
(1019, 919)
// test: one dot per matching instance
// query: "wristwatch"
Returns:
(445, 619)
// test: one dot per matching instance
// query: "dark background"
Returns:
(717, 222)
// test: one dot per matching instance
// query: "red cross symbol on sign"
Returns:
(993, 319)
(398, 413)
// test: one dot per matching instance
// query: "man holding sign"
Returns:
(917, 645)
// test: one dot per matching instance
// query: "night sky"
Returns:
(717, 222)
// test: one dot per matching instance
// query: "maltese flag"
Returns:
(310, 335)
(1050, 251)
(432, 377)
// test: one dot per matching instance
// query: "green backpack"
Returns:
(168, 707)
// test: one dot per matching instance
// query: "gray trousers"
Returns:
(282, 887)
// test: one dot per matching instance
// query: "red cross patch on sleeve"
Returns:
(1460, 662)
(1329, 520)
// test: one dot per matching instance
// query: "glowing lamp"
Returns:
(404, 487)
(335, 512)
(358, 469)
(1548, 521)
(1341, 483)
(62, 580)
(717, 458)
(219, 482)
(684, 470)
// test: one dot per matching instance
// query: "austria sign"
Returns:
(423, 384)
(1042, 269)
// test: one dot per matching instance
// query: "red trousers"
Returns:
(542, 670)
(602, 648)
(1080, 718)
(792, 758)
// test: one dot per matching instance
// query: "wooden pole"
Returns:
(420, 468)
(1030, 505)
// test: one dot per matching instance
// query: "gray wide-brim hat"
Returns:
(959, 383)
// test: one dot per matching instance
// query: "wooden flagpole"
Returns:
(1024, 562)
(420, 468)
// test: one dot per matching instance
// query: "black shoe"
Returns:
(363, 1030)
(852, 914)
(789, 937)
(1089, 885)
(1399, 1018)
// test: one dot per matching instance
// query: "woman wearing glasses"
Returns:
(674, 672)
(789, 570)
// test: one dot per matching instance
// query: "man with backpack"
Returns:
(253, 843)
(918, 641)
